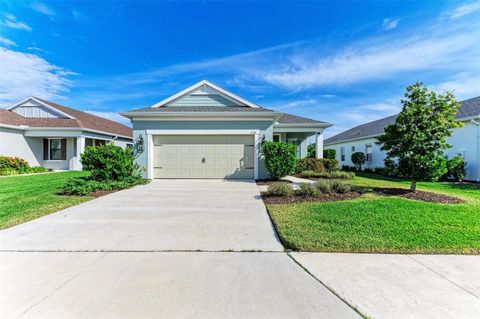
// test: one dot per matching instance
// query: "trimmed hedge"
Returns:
(318, 165)
(328, 175)
(280, 158)
(108, 162)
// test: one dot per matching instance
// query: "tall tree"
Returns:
(418, 137)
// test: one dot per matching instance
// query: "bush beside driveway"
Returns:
(384, 224)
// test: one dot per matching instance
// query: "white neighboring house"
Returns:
(465, 141)
(52, 135)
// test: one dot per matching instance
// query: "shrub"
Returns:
(311, 152)
(334, 174)
(358, 159)
(108, 162)
(280, 189)
(280, 158)
(15, 163)
(340, 187)
(307, 189)
(324, 186)
(318, 165)
(456, 167)
(8, 171)
(391, 168)
(330, 154)
(310, 164)
(87, 186)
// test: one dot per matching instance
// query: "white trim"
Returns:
(150, 133)
(197, 86)
(203, 132)
(79, 129)
(48, 106)
(313, 125)
(150, 155)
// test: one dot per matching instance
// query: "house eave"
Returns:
(69, 129)
(227, 116)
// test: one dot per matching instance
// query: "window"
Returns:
(56, 149)
(342, 154)
(369, 151)
(88, 142)
(353, 149)
(276, 137)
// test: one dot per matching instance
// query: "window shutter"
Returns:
(64, 149)
(45, 149)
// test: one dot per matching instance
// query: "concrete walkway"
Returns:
(170, 249)
(401, 286)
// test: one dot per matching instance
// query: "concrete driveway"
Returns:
(401, 286)
(167, 249)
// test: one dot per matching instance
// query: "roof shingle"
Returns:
(468, 108)
(81, 120)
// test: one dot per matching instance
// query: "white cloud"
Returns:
(6, 41)
(11, 21)
(463, 85)
(112, 116)
(43, 8)
(389, 24)
(463, 10)
(25, 74)
(376, 61)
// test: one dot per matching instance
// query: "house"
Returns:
(465, 141)
(205, 131)
(53, 136)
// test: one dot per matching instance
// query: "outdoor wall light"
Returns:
(140, 144)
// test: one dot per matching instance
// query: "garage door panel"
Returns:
(203, 156)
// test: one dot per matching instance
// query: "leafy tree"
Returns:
(311, 153)
(330, 154)
(358, 159)
(418, 137)
(280, 158)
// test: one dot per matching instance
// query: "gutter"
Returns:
(30, 128)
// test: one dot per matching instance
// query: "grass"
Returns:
(379, 224)
(23, 198)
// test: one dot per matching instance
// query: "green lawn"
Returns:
(24, 198)
(380, 224)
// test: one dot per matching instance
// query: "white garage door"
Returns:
(207, 156)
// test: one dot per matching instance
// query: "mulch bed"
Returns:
(419, 195)
(271, 181)
(101, 193)
(300, 199)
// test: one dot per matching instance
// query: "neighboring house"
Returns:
(465, 141)
(205, 131)
(52, 135)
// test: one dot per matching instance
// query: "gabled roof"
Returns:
(468, 108)
(73, 119)
(206, 85)
(294, 119)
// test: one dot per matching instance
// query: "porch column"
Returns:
(319, 144)
(80, 148)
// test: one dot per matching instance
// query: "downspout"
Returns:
(478, 148)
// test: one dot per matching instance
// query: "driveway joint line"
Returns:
(442, 276)
(354, 308)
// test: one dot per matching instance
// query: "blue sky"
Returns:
(342, 62)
